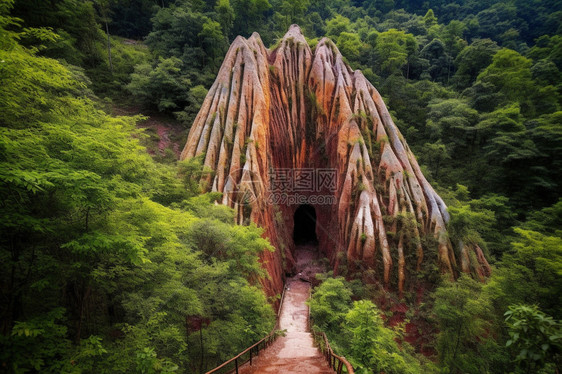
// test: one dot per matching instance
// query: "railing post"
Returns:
(251, 356)
(236, 364)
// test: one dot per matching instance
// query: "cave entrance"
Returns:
(304, 231)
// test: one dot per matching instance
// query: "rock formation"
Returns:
(293, 108)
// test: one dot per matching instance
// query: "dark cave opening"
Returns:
(304, 231)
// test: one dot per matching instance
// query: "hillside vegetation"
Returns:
(113, 262)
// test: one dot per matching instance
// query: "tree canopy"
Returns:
(112, 261)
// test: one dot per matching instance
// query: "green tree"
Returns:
(195, 99)
(508, 146)
(329, 304)
(104, 9)
(248, 15)
(212, 40)
(226, 17)
(548, 47)
(162, 86)
(465, 343)
(131, 18)
(434, 156)
(472, 60)
(430, 19)
(294, 10)
(350, 46)
(535, 337)
(496, 20)
(96, 275)
(546, 134)
(81, 39)
(372, 346)
(529, 273)
(509, 75)
(546, 221)
(392, 50)
(452, 37)
(336, 25)
(440, 62)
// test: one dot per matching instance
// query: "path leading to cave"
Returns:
(295, 352)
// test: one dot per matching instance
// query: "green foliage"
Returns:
(147, 363)
(465, 341)
(337, 25)
(548, 48)
(439, 61)
(212, 40)
(476, 221)
(112, 251)
(37, 344)
(249, 14)
(195, 98)
(81, 40)
(97, 276)
(429, 19)
(509, 75)
(547, 221)
(392, 49)
(472, 60)
(162, 85)
(357, 330)
(25, 97)
(451, 123)
(226, 15)
(535, 337)
(529, 273)
(349, 45)
(372, 346)
(330, 303)
(125, 55)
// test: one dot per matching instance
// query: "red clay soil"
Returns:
(162, 125)
(164, 141)
(295, 352)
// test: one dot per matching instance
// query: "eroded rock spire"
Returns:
(292, 108)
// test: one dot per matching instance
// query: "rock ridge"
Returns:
(292, 108)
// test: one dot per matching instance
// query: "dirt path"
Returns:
(294, 352)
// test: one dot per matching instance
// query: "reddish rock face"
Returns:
(292, 109)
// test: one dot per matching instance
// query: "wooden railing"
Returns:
(246, 355)
(338, 363)
(232, 365)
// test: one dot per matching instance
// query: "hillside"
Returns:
(442, 232)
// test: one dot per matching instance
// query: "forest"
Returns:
(113, 261)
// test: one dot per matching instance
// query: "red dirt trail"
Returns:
(294, 352)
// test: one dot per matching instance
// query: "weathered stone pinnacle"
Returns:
(292, 108)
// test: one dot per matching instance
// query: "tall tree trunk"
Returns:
(108, 46)
(83, 301)
(202, 349)
(408, 70)
(448, 69)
